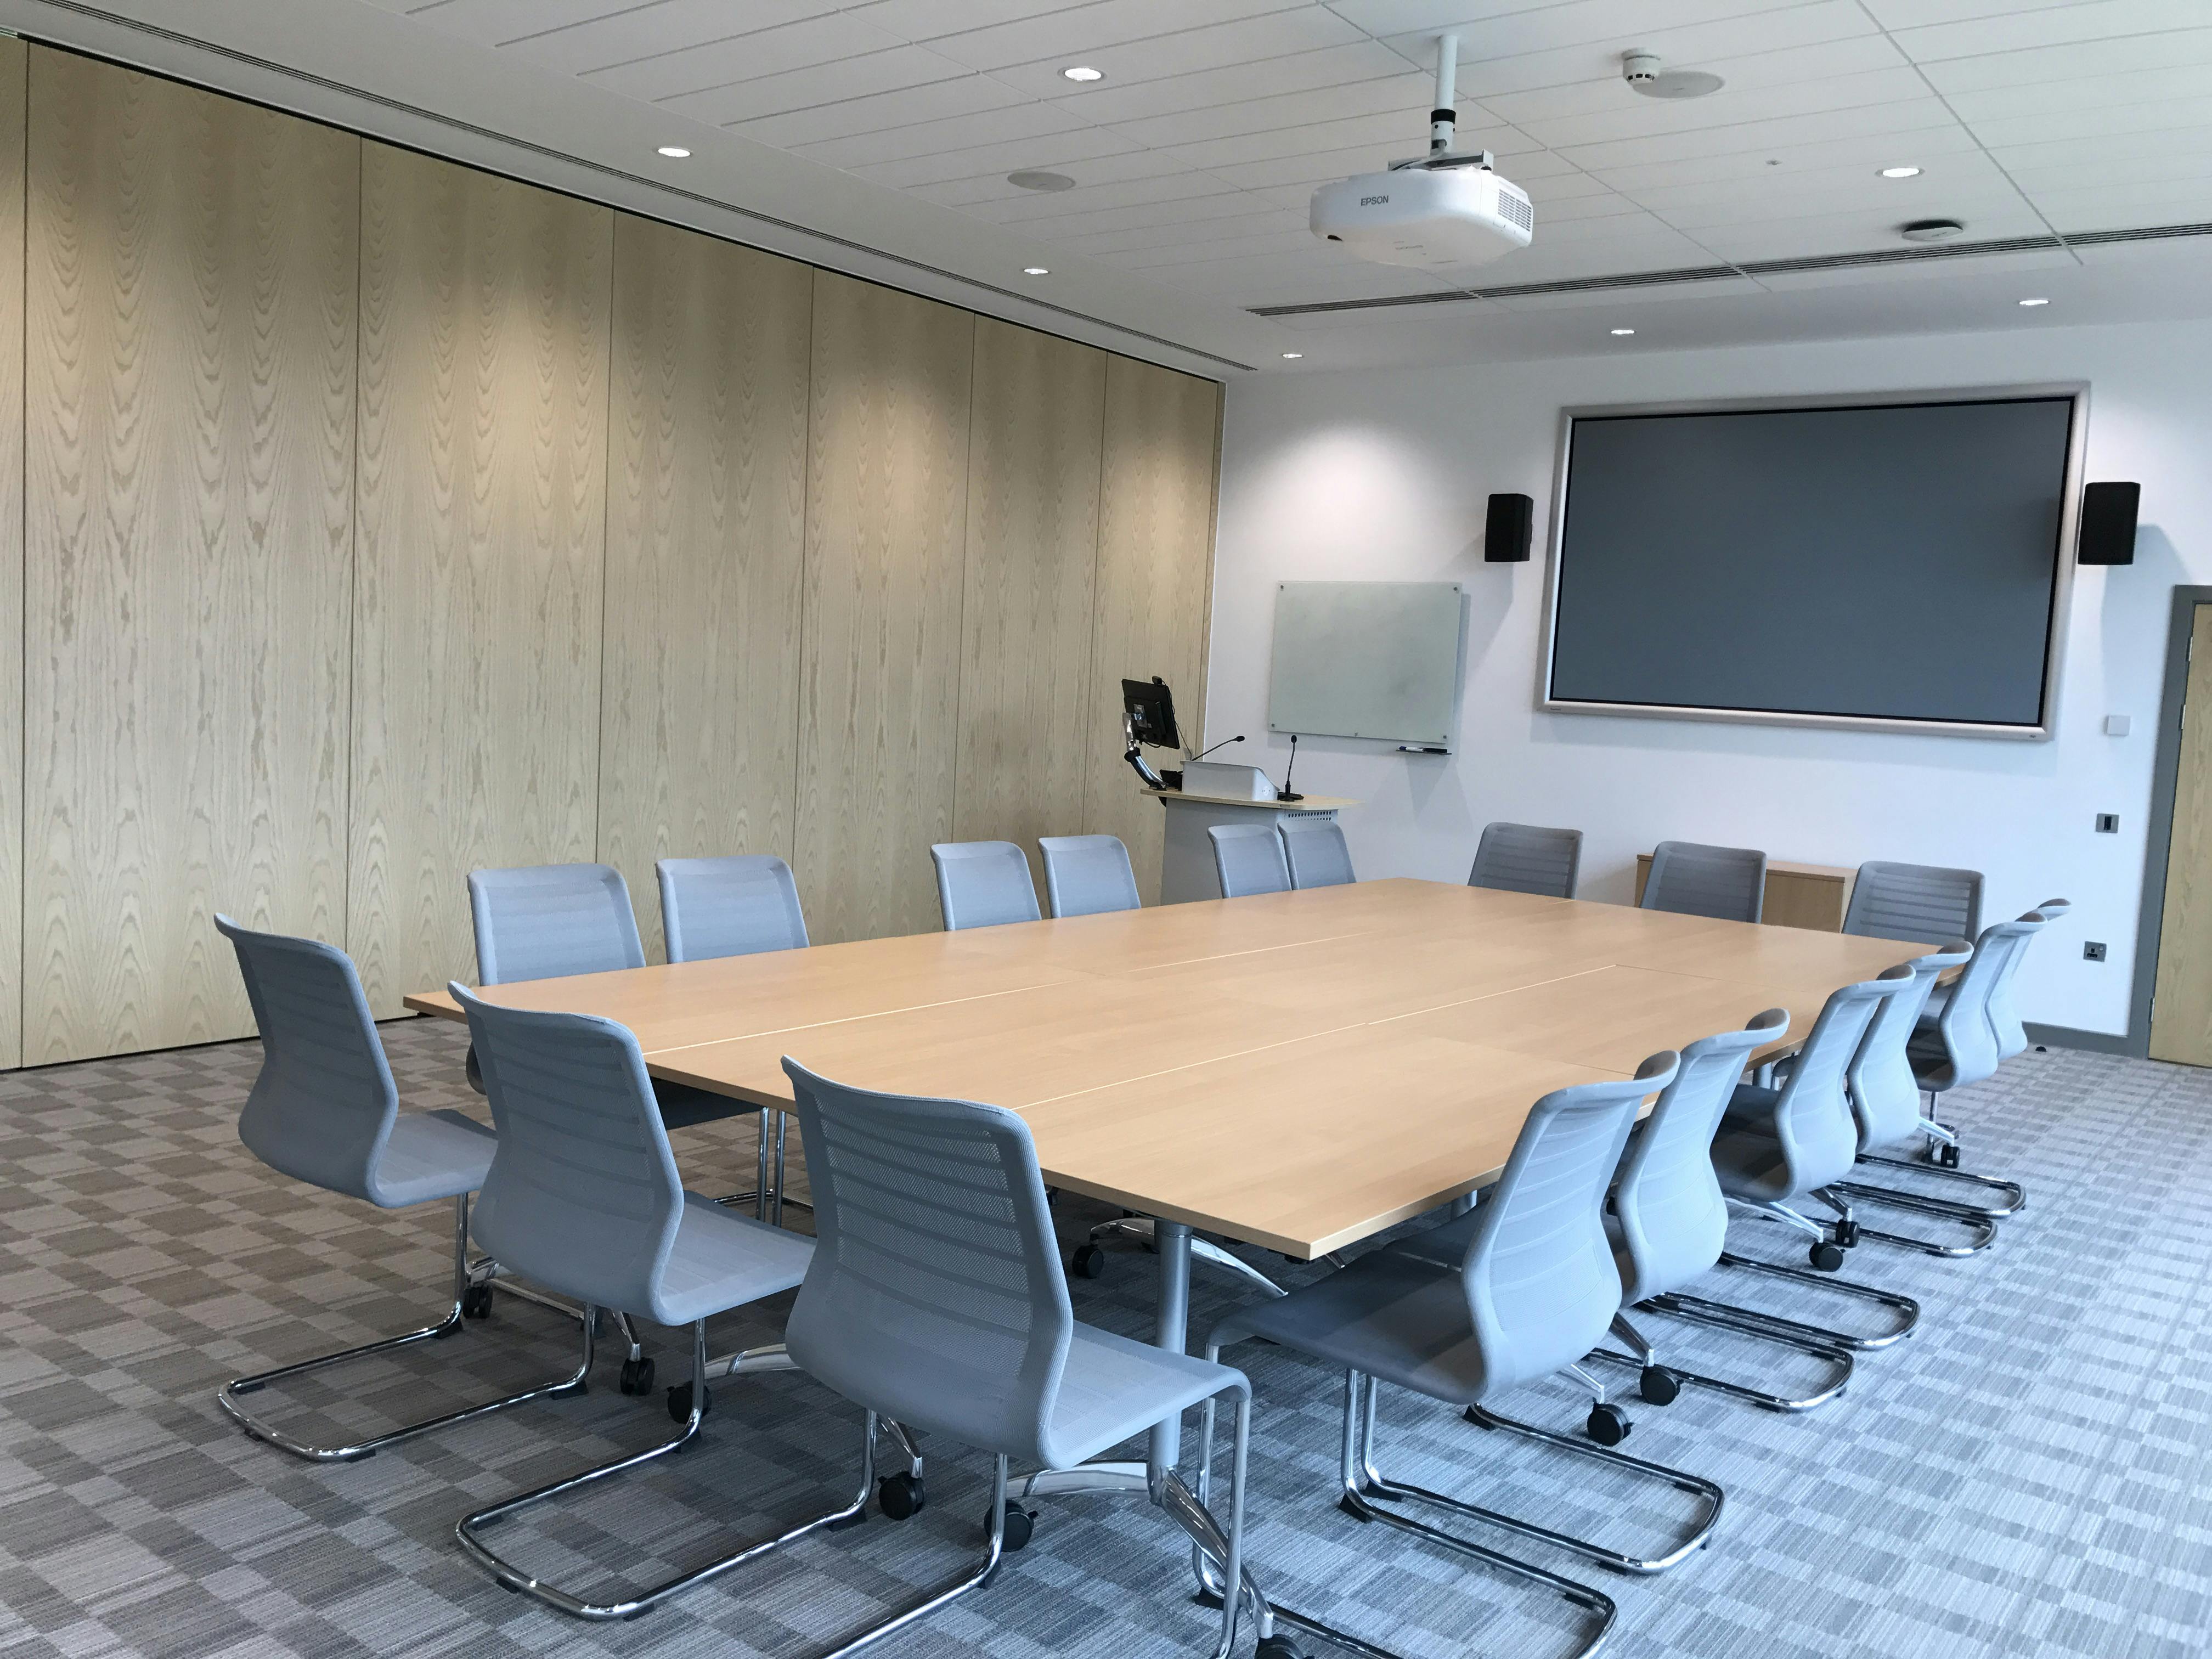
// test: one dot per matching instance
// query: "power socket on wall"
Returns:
(2092, 951)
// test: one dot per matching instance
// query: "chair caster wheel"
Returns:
(1608, 1424)
(1089, 1261)
(1826, 1257)
(476, 1302)
(679, 1399)
(1947, 1157)
(1278, 1647)
(637, 1378)
(1658, 1386)
(1020, 1524)
(1847, 1234)
(900, 1496)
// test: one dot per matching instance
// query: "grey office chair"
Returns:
(1884, 1097)
(1667, 1220)
(983, 884)
(1924, 902)
(324, 1110)
(1315, 851)
(1534, 1292)
(1526, 858)
(1249, 859)
(1779, 1146)
(2004, 1018)
(737, 906)
(1086, 875)
(583, 1197)
(553, 921)
(1691, 879)
(935, 1298)
(741, 905)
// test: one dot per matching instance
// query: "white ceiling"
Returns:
(1194, 157)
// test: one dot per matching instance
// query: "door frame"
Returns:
(2158, 839)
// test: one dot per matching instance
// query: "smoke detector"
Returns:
(1931, 230)
(1643, 71)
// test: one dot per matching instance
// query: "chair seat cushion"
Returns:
(1440, 1246)
(682, 1107)
(1750, 1108)
(1390, 1315)
(1114, 1389)
(1751, 1165)
(722, 1260)
(431, 1155)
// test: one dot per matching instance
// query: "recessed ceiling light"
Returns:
(1900, 173)
(674, 152)
(2035, 303)
(1292, 356)
(1035, 271)
(1624, 330)
(1031, 178)
(1082, 72)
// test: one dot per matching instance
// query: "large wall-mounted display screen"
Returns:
(1865, 562)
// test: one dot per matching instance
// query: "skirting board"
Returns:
(2095, 1042)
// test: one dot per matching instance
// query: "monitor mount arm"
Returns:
(1135, 756)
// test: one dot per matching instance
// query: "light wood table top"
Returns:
(1296, 1070)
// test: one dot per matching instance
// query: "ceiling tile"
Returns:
(836, 49)
(918, 139)
(1121, 36)
(971, 95)
(631, 32)
(1039, 213)
(1407, 96)
(2091, 61)
(924, 20)
(1816, 237)
(1781, 191)
(490, 21)
(1972, 207)
(1099, 172)
(1220, 90)
(2127, 151)
(1253, 43)
(1730, 111)
(2050, 98)
(2150, 115)
(1109, 244)
(1610, 95)
(1079, 154)
(1773, 136)
(2021, 28)
(2115, 205)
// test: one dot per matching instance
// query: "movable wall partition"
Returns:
(366, 519)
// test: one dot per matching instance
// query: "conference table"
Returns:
(1297, 1071)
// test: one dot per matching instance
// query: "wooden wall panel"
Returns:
(1025, 724)
(705, 538)
(190, 327)
(886, 545)
(482, 475)
(13, 71)
(1155, 583)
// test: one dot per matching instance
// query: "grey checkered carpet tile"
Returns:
(2026, 1474)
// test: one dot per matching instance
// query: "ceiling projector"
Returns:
(1436, 212)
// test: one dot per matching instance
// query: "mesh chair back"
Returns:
(1526, 858)
(322, 1109)
(1541, 1287)
(549, 920)
(1249, 859)
(1668, 1201)
(935, 1296)
(1885, 1094)
(1085, 875)
(1315, 851)
(737, 906)
(2005, 1016)
(1922, 902)
(1691, 879)
(1813, 1119)
(984, 884)
(1972, 1045)
(583, 1196)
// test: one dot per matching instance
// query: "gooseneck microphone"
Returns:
(1223, 743)
(1286, 792)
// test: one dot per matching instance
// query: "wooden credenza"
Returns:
(1797, 895)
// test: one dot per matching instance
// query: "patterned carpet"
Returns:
(2026, 1476)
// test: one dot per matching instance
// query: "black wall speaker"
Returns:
(1506, 541)
(2108, 524)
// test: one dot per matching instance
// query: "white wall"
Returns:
(1384, 476)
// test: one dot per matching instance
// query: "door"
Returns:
(2181, 1003)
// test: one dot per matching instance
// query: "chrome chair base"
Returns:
(1139, 1228)
(1981, 1225)
(469, 1281)
(1363, 1485)
(1646, 1359)
(2012, 1206)
(1754, 1323)
(767, 1194)
(512, 1578)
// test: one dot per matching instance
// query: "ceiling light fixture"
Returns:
(2035, 303)
(1292, 356)
(1900, 173)
(1082, 72)
(1931, 230)
(1031, 178)
(674, 152)
(1624, 330)
(1035, 271)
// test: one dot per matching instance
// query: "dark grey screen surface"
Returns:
(1897, 562)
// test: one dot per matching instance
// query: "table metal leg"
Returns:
(1170, 1329)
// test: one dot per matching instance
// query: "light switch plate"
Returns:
(2116, 726)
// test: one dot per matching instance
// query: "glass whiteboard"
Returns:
(1367, 659)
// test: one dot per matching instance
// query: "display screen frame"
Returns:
(2042, 730)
